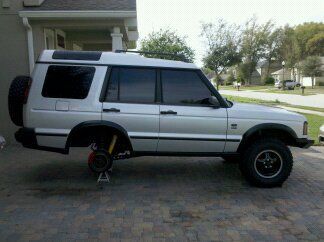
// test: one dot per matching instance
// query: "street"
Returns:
(308, 101)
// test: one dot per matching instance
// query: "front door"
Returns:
(130, 103)
(188, 122)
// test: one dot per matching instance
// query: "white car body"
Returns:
(126, 104)
(321, 135)
(218, 129)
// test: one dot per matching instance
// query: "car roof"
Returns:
(109, 58)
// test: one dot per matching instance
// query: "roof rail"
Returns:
(181, 56)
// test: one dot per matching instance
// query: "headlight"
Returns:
(305, 129)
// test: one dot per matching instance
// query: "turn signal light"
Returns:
(305, 129)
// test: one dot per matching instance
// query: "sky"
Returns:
(186, 16)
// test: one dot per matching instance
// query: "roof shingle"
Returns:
(84, 5)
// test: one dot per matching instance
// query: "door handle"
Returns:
(168, 112)
(111, 110)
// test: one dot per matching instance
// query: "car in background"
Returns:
(321, 135)
(2, 142)
(236, 84)
(286, 84)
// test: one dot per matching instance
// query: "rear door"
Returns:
(130, 101)
(188, 123)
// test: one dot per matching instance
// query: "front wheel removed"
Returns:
(267, 163)
(100, 161)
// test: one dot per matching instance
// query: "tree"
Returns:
(312, 67)
(305, 33)
(167, 41)
(315, 45)
(289, 50)
(272, 47)
(254, 42)
(230, 79)
(244, 70)
(222, 46)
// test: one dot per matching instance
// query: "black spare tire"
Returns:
(16, 98)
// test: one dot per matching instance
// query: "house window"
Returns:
(49, 39)
(60, 41)
(6, 3)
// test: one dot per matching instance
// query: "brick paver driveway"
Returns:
(46, 196)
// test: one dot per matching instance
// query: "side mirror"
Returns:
(214, 102)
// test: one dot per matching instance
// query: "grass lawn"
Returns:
(314, 121)
(254, 88)
(297, 91)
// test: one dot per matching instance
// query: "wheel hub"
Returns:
(268, 164)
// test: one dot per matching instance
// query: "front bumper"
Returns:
(304, 143)
(321, 135)
(27, 137)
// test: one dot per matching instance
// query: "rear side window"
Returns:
(72, 82)
(184, 87)
(131, 85)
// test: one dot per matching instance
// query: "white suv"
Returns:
(125, 105)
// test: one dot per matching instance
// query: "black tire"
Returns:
(231, 159)
(282, 155)
(16, 98)
(100, 161)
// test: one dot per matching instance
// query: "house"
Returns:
(261, 71)
(282, 74)
(29, 26)
(307, 80)
(265, 70)
(297, 75)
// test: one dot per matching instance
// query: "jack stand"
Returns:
(103, 177)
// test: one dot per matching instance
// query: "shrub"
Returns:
(269, 80)
(230, 79)
(240, 80)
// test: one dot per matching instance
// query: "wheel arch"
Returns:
(274, 130)
(86, 132)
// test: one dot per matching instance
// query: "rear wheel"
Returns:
(267, 163)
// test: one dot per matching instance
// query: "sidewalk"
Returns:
(308, 101)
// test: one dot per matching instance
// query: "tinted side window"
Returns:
(112, 91)
(71, 82)
(183, 87)
(134, 85)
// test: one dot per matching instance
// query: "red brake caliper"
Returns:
(91, 157)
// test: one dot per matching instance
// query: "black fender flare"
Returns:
(96, 123)
(267, 126)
